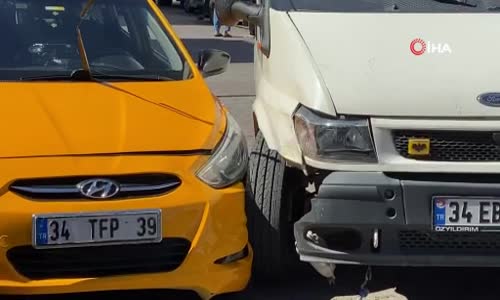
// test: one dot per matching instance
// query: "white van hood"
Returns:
(369, 69)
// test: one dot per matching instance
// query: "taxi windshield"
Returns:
(121, 37)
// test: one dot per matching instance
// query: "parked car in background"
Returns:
(207, 11)
(120, 169)
(190, 6)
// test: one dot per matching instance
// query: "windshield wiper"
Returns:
(457, 2)
(82, 75)
(76, 75)
(85, 73)
(142, 77)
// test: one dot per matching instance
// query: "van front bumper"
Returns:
(369, 218)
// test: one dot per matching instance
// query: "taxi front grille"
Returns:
(454, 146)
(99, 261)
(66, 188)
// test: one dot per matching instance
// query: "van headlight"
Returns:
(324, 138)
(228, 163)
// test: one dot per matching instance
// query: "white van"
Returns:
(378, 132)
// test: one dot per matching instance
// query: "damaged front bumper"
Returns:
(370, 218)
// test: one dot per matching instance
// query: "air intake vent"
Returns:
(427, 242)
(99, 261)
(68, 188)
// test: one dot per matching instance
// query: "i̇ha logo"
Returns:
(419, 46)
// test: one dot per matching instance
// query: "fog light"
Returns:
(233, 257)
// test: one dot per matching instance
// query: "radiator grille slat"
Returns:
(458, 146)
(99, 261)
(137, 185)
(429, 242)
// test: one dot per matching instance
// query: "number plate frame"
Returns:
(35, 217)
(478, 227)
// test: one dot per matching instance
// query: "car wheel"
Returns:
(274, 192)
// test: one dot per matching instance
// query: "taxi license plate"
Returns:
(464, 214)
(89, 229)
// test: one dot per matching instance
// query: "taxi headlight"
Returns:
(229, 162)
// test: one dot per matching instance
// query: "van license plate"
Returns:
(456, 214)
(89, 229)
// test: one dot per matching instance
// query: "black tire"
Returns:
(273, 193)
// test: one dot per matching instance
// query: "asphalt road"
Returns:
(236, 89)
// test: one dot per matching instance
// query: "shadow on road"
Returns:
(425, 283)
(407, 283)
(410, 283)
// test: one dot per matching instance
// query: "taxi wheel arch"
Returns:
(271, 205)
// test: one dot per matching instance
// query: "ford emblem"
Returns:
(490, 99)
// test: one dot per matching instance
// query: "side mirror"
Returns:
(213, 62)
(230, 12)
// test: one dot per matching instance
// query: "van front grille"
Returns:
(454, 146)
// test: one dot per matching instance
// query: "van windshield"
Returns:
(122, 37)
(411, 6)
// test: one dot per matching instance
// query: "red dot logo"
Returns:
(440, 203)
(418, 47)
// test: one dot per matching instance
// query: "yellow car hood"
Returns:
(52, 119)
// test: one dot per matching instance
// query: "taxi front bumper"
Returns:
(210, 224)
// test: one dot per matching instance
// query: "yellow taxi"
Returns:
(119, 168)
